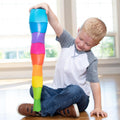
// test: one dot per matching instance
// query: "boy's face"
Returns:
(83, 42)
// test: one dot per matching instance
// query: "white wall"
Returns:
(24, 70)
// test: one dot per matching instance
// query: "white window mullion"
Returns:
(116, 10)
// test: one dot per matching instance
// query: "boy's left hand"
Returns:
(98, 112)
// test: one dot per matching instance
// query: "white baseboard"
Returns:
(108, 70)
(21, 72)
(24, 70)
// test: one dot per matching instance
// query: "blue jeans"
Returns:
(53, 100)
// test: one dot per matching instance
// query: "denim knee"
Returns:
(31, 91)
(75, 89)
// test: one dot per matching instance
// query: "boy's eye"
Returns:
(87, 44)
(81, 39)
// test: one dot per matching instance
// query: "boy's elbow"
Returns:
(58, 29)
(59, 32)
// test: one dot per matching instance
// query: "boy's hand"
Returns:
(42, 5)
(52, 18)
(98, 112)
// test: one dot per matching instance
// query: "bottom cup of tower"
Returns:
(37, 97)
(37, 105)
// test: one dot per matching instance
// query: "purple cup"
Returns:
(38, 37)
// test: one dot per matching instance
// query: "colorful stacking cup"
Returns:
(38, 27)
(38, 15)
(38, 24)
(38, 37)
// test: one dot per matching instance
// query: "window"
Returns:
(106, 48)
(15, 36)
(103, 9)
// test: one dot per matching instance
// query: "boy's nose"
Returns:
(81, 44)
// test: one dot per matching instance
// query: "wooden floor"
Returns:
(15, 92)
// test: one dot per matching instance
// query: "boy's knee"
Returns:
(75, 89)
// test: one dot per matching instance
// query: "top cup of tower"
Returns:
(38, 15)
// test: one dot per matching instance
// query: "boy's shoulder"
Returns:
(91, 56)
(65, 39)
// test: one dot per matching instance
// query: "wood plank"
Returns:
(15, 92)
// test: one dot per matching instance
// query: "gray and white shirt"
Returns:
(73, 66)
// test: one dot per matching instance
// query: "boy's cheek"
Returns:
(76, 41)
(89, 48)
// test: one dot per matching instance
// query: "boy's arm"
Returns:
(52, 18)
(97, 100)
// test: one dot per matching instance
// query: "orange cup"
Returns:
(37, 59)
(37, 70)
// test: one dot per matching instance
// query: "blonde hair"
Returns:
(95, 28)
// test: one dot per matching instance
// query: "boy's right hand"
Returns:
(41, 5)
(52, 18)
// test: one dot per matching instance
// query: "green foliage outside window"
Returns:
(50, 51)
(106, 48)
(23, 54)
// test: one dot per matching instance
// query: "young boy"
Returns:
(76, 71)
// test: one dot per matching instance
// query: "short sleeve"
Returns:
(65, 39)
(92, 74)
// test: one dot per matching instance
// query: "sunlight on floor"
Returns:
(18, 84)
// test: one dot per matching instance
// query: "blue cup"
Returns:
(38, 20)
(38, 15)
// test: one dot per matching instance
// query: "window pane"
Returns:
(18, 47)
(102, 9)
(51, 47)
(15, 36)
(15, 47)
(14, 17)
(106, 48)
(95, 8)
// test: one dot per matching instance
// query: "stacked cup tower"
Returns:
(38, 25)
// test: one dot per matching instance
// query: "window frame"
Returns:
(28, 36)
(116, 9)
(15, 69)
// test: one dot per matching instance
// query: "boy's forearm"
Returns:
(96, 95)
(54, 22)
